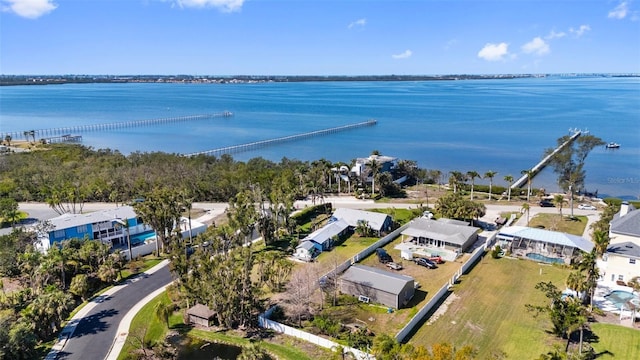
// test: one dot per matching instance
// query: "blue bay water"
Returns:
(480, 125)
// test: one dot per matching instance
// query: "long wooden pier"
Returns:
(263, 143)
(53, 132)
(539, 166)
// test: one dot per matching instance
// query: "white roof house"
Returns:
(542, 245)
(441, 234)
(377, 221)
(325, 235)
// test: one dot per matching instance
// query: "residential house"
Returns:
(307, 250)
(111, 226)
(378, 222)
(326, 235)
(440, 235)
(378, 286)
(621, 262)
(542, 245)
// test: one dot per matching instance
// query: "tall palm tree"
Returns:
(162, 312)
(529, 174)
(455, 178)
(7, 138)
(489, 175)
(526, 208)
(375, 168)
(558, 200)
(601, 242)
(509, 180)
(472, 175)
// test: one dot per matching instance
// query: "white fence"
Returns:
(314, 339)
(142, 250)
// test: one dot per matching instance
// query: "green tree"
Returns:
(525, 208)
(375, 167)
(9, 211)
(529, 174)
(7, 139)
(568, 163)
(490, 175)
(80, 286)
(162, 312)
(161, 209)
(558, 200)
(253, 351)
(472, 175)
(509, 180)
(456, 178)
(600, 241)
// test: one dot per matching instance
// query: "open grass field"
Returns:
(616, 342)
(553, 222)
(487, 310)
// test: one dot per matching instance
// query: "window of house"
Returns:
(632, 261)
(82, 229)
(59, 233)
(620, 277)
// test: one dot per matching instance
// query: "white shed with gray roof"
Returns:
(379, 286)
(441, 234)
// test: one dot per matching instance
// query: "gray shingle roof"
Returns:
(377, 279)
(352, 216)
(327, 232)
(627, 249)
(628, 224)
(440, 230)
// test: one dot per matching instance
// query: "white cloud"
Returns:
(494, 52)
(555, 35)
(404, 55)
(358, 23)
(224, 5)
(536, 46)
(30, 9)
(619, 12)
(580, 31)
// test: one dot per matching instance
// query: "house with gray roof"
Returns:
(378, 222)
(326, 235)
(542, 245)
(621, 262)
(625, 225)
(378, 286)
(440, 234)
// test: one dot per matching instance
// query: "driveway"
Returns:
(92, 335)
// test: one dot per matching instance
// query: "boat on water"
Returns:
(612, 145)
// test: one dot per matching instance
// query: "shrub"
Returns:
(495, 253)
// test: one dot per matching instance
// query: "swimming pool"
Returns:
(620, 298)
(545, 259)
(142, 237)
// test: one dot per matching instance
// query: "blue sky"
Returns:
(304, 37)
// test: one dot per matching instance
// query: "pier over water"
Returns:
(264, 143)
(539, 166)
(108, 126)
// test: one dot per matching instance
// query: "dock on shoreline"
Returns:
(539, 166)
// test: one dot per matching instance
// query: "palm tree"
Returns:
(162, 312)
(559, 201)
(601, 241)
(375, 168)
(509, 180)
(525, 208)
(472, 175)
(529, 174)
(489, 175)
(7, 138)
(455, 178)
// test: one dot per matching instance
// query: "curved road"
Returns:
(95, 333)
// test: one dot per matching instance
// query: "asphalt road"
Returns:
(94, 335)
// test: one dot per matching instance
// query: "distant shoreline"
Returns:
(14, 80)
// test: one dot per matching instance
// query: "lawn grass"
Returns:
(487, 310)
(344, 250)
(146, 319)
(553, 222)
(401, 216)
(616, 342)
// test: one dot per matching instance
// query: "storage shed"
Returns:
(379, 286)
(200, 315)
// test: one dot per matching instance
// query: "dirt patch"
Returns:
(9, 285)
(443, 308)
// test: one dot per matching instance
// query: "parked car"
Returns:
(394, 266)
(546, 203)
(426, 263)
(436, 259)
(383, 256)
(586, 207)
